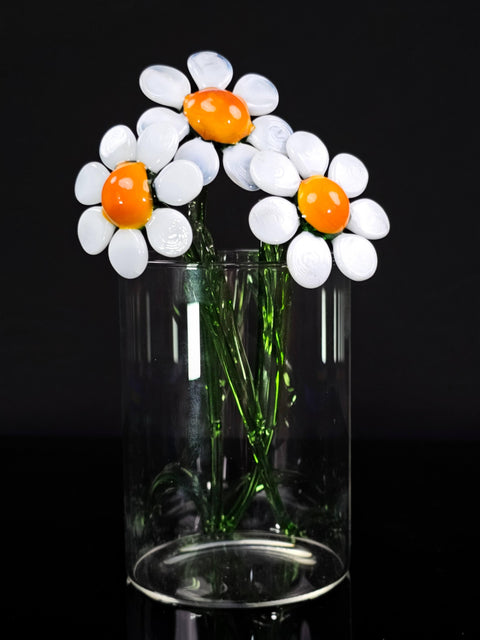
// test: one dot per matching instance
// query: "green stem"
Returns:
(272, 305)
(218, 315)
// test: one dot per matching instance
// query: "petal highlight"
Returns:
(274, 173)
(203, 154)
(308, 153)
(355, 256)
(179, 182)
(89, 183)
(118, 145)
(270, 134)
(94, 231)
(157, 145)
(274, 220)
(165, 85)
(169, 232)
(210, 69)
(368, 219)
(259, 93)
(350, 173)
(309, 260)
(128, 253)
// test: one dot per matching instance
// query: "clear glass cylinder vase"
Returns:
(236, 433)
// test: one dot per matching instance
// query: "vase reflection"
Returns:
(327, 617)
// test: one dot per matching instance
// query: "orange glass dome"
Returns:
(323, 204)
(218, 115)
(126, 197)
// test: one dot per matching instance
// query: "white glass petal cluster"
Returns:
(276, 162)
(156, 146)
(180, 161)
(179, 168)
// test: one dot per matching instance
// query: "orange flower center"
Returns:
(323, 204)
(219, 115)
(126, 197)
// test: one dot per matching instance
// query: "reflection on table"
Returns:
(327, 617)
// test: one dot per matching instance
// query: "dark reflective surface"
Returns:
(414, 571)
(328, 617)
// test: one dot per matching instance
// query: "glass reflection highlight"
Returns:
(325, 618)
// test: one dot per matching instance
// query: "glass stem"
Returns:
(273, 312)
(218, 315)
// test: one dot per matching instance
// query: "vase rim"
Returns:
(226, 257)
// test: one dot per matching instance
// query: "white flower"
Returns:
(322, 208)
(213, 112)
(306, 206)
(119, 196)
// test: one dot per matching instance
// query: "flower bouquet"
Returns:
(235, 364)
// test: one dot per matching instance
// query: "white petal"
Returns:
(274, 173)
(210, 69)
(355, 256)
(350, 173)
(308, 153)
(128, 253)
(236, 162)
(94, 230)
(203, 154)
(163, 114)
(169, 232)
(89, 183)
(179, 182)
(309, 260)
(274, 220)
(157, 145)
(259, 93)
(118, 145)
(165, 85)
(270, 133)
(368, 219)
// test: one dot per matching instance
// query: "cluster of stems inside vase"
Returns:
(255, 392)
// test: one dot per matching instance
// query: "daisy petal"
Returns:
(203, 154)
(259, 93)
(274, 220)
(179, 182)
(308, 154)
(210, 69)
(270, 133)
(89, 183)
(350, 173)
(165, 85)
(163, 114)
(157, 145)
(118, 145)
(169, 232)
(128, 253)
(94, 231)
(355, 256)
(274, 173)
(368, 219)
(236, 163)
(309, 260)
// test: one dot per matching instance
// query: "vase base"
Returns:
(251, 570)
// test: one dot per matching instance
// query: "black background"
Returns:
(394, 83)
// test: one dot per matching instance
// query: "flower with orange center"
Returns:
(218, 115)
(323, 204)
(215, 113)
(120, 201)
(333, 223)
(310, 209)
(126, 197)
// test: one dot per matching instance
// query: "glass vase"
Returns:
(236, 432)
